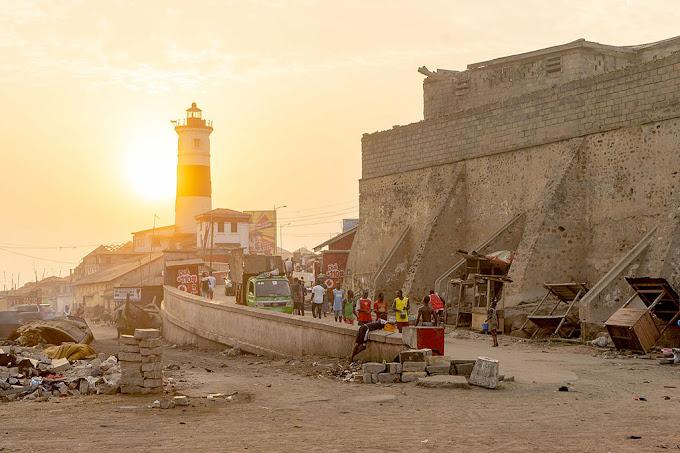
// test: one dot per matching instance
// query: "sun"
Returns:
(150, 168)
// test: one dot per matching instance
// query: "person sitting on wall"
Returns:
(362, 335)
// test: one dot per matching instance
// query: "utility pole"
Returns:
(212, 240)
(153, 236)
(276, 243)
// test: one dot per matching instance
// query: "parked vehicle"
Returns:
(270, 292)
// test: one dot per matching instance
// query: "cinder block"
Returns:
(129, 357)
(388, 378)
(145, 334)
(148, 383)
(151, 351)
(153, 375)
(441, 381)
(152, 343)
(485, 373)
(127, 339)
(129, 348)
(413, 366)
(411, 376)
(373, 367)
(414, 355)
(439, 369)
(394, 368)
(152, 366)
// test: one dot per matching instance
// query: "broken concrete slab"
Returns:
(394, 368)
(151, 343)
(181, 400)
(59, 366)
(129, 357)
(485, 373)
(129, 348)
(462, 368)
(443, 381)
(128, 339)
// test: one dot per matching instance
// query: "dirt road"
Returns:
(296, 406)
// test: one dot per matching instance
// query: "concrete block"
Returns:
(153, 375)
(388, 378)
(131, 389)
(129, 357)
(151, 351)
(181, 400)
(125, 365)
(132, 381)
(368, 378)
(129, 348)
(438, 360)
(146, 334)
(462, 369)
(439, 369)
(413, 366)
(414, 355)
(485, 373)
(394, 368)
(373, 367)
(151, 358)
(152, 343)
(127, 339)
(153, 383)
(152, 366)
(412, 376)
(444, 381)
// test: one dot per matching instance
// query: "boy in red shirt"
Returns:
(364, 309)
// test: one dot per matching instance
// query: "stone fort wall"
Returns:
(593, 163)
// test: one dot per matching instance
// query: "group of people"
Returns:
(208, 284)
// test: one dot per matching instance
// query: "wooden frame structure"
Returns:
(636, 328)
(567, 293)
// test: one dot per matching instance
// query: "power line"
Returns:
(45, 247)
(36, 257)
(322, 214)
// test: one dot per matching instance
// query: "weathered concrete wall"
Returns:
(189, 319)
(627, 97)
(594, 164)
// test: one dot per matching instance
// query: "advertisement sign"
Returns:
(185, 278)
(262, 232)
(121, 294)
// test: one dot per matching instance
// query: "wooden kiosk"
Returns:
(637, 329)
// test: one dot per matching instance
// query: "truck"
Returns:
(270, 292)
(263, 285)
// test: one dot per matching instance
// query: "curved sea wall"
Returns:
(194, 320)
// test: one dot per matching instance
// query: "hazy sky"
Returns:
(88, 89)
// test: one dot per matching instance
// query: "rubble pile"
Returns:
(669, 356)
(140, 362)
(420, 366)
(29, 374)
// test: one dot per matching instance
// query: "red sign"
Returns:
(184, 278)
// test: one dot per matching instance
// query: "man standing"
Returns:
(318, 293)
(401, 308)
(492, 319)
(380, 307)
(289, 266)
(303, 293)
(364, 309)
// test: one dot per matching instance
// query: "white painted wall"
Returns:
(227, 237)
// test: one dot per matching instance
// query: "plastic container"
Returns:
(485, 327)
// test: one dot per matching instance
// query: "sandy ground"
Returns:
(297, 406)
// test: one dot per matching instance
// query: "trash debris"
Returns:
(640, 398)
(54, 332)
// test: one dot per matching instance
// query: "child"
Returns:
(426, 314)
(492, 319)
(348, 308)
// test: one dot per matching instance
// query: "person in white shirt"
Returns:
(212, 283)
(318, 292)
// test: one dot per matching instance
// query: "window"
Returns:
(234, 227)
(197, 143)
(220, 227)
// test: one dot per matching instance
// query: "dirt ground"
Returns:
(298, 405)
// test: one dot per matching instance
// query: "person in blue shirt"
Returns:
(338, 297)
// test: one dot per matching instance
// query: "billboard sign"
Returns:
(262, 232)
(121, 294)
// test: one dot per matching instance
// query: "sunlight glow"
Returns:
(150, 167)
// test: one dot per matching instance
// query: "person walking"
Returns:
(401, 308)
(205, 284)
(328, 297)
(318, 293)
(348, 313)
(338, 297)
(295, 293)
(363, 309)
(212, 284)
(303, 294)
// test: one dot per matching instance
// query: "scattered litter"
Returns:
(634, 437)
(640, 398)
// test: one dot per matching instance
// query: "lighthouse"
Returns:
(194, 191)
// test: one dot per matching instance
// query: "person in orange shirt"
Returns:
(364, 309)
(380, 307)
(438, 306)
